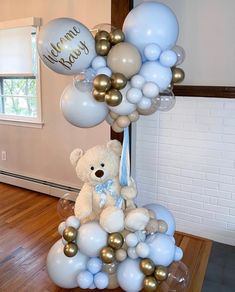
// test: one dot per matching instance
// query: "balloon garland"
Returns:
(118, 76)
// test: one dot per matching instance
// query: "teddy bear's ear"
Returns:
(116, 146)
(75, 156)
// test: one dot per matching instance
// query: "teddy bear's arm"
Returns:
(83, 204)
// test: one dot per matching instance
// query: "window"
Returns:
(19, 72)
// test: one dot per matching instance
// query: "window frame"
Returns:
(16, 120)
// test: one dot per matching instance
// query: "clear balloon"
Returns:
(167, 100)
(83, 80)
(65, 205)
(151, 22)
(168, 58)
(91, 239)
(162, 213)
(63, 270)
(130, 277)
(180, 52)
(157, 73)
(81, 109)
(66, 46)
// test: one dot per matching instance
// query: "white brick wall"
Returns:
(185, 159)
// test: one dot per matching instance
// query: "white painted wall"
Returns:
(44, 153)
(185, 158)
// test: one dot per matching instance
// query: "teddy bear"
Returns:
(102, 198)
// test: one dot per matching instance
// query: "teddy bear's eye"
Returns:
(102, 164)
(92, 168)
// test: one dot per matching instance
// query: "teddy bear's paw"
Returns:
(128, 193)
(112, 219)
(137, 219)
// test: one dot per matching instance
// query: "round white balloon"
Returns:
(91, 238)
(125, 107)
(63, 270)
(81, 109)
(66, 46)
(151, 22)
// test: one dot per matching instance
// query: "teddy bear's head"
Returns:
(97, 164)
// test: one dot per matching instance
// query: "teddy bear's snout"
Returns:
(99, 173)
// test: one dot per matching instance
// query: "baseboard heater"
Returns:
(39, 181)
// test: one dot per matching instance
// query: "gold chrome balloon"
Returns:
(161, 273)
(70, 234)
(147, 266)
(113, 97)
(98, 95)
(150, 284)
(70, 249)
(115, 240)
(102, 47)
(117, 36)
(107, 255)
(102, 35)
(118, 81)
(177, 75)
(102, 82)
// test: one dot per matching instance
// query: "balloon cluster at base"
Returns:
(119, 74)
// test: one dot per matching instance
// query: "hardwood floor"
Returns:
(28, 228)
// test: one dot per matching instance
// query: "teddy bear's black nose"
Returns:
(99, 173)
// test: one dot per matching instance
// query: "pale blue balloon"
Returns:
(63, 270)
(152, 52)
(131, 240)
(145, 103)
(134, 95)
(131, 251)
(91, 238)
(101, 280)
(105, 71)
(162, 249)
(178, 254)
(137, 81)
(151, 22)
(142, 250)
(168, 58)
(155, 72)
(163, 213)
(98, 62)
(85, 279)
(129, 276)
(94, 265)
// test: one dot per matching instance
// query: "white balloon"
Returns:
(125, 107)
(66, 46)
(150, 89)
(91, 239)
(81, 109)
(61, 228)
(137, 81)
(63, 270)
(98, 62)
(145, 103)
(134, 95)
(152, 52)
(73, 221)
(168, 58)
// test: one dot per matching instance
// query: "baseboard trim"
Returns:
(34, 184)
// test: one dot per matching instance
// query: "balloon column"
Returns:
(118, 75)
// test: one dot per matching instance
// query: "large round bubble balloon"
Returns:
(66, 46)
(151, 23)
(162, 213)
(81, 109)
(91, 238)
(65, 205)
(63, 270)
(130, 277)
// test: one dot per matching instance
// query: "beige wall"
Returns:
(44, 153)
(207, 35)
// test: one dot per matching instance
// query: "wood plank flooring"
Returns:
(28, 228)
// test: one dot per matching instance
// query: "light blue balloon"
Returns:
(168, 58)
(101, 280)
(151, 22)
(129, 276)
(162, 249)
(152, 52)
(162, 213)
(63, 270)
(94, 265)
(105, 71)
(91, 238)
(98, 62)
(85, 279)
(155, 72)
(178, 254)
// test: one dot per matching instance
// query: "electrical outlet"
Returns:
(4, 155)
